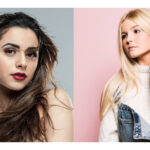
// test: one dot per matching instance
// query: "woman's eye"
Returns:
(124, 36)
(10, 51)
(32, 55)
(137, 31)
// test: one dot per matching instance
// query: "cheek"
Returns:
(147, 42)
(5, 64)
(124, 47)
(32, 67)
(6, 68)
(144, 40)
(124, 43)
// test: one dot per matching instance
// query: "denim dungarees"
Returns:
(132, 127)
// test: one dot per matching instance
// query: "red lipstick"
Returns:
(19, 76)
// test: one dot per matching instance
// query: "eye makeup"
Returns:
(11, 49)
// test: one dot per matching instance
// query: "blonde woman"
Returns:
(125, 103)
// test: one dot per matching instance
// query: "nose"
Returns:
(21, 62)
(129, 39)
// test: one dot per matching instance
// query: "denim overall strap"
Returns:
(132, 127)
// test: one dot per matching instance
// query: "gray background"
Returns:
(58, 24)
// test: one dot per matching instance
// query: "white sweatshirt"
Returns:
(140, 103)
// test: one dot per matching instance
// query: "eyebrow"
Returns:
(11, 44)
(17, 46)
(130, 28)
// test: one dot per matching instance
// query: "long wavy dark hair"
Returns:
(20, 121)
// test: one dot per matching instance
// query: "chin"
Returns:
(133, 56)
(16, 87)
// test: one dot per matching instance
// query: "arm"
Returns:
(108, 128)
(62, 117)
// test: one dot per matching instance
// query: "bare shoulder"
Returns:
(61, 114)
(59, 97)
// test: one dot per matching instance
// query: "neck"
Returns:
(145, 59)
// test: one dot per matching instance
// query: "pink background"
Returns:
(96, 59)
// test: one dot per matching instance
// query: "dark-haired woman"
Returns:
(29, 112)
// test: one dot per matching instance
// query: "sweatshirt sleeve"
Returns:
(108, 128)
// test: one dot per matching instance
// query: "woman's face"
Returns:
(136, 42)
(18, 57)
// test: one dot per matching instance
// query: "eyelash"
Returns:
(123, 36)
(9, 52)
(32, 55)
(135, 31)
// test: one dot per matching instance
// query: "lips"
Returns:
(19, 76)
(131, 47)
